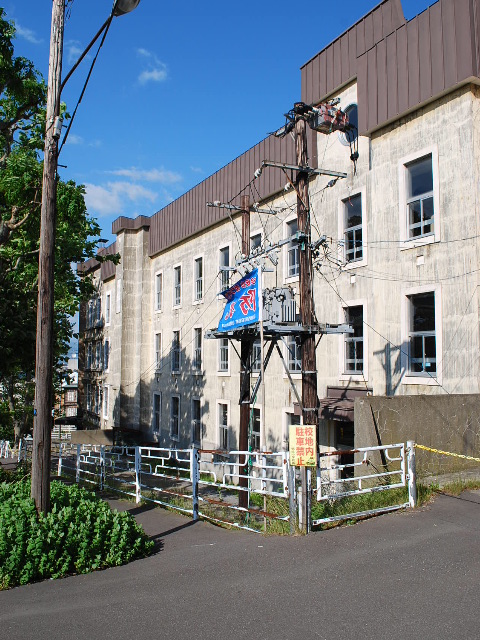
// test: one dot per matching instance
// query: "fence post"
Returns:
(19, 459)
(195, 477)
(138, 478)
(412, 474)
(101, 480)
(77, 474)
(59, 468)
(291, 498)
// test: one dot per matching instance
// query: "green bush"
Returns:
(80, 534)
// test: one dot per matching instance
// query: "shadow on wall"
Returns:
(165, 409)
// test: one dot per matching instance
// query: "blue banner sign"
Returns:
(243, 303)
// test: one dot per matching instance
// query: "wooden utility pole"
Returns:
(45, 310)
(307, 313)
(245, 364)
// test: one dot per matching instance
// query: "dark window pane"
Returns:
(420, 177)
(423, 308)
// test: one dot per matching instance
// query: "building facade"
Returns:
(397, 256)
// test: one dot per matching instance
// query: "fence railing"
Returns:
(5, 450)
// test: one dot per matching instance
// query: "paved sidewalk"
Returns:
(402, 576)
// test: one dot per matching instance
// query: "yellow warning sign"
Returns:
(303, 446)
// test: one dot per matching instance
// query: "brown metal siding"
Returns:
(337, 63)
(189, 214)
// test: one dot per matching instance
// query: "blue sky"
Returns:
(179, 88)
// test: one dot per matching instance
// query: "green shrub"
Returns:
(80, 534)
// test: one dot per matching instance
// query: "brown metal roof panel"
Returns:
(382, 81)
(337, 64)
(323, 77)
(425, 56)
(369, 34)
(352, 52)
(345, 57)
(361, 46)
(465, 38)
(387, 22)
(330, 69)
(314, 90)
(372, 88)
(436, 49)
(413, 64)
(362, 94)
(402, 67)
(449, 44)
(378, 28)
(392, 75)
(476, 27)
(306, 89)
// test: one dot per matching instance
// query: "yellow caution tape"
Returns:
(446, 453)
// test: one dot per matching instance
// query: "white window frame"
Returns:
(193, 421)
(197, 370)
(361, 376)
(197, 280)
(258, 232)
(224, 280)
(174, 437)
(287, 249)
(287, 412)
(259, 409)
(89, 355)
(157, 394)
(342, 229)
(157, 349)
(174, 349)
(423, 379)
(106, 355)
(177, 301)
(98, 355)
(158, 299)
(257, 345)
(408, 242)
(108, 309)
(223, 372)
(106, 401)
(221, 427)
(296, 375)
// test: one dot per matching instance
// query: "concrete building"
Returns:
(400, 262)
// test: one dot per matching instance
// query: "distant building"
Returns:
(400, 262)
(66, 406)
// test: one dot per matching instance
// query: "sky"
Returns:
(179, 89)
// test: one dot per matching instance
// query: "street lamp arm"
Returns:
(95, 38)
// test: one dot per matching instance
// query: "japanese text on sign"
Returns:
(303, 446)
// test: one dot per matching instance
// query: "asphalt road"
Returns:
(400, 576)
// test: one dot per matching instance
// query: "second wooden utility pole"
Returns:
(245, 366)
(44, 347)
(307, 310)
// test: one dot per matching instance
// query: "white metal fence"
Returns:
(5, 450)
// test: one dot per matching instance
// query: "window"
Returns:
(89, 355)
(294, 355)
(105, 401)
(223, 425)
(98, 355)
(158, 291)
(198, 279)
(352, 224)
(70, 395)
(354, 342)
(98, 400)
(223, 353)
(197, 349)
(419, 192)
(158, 351)
(177, 286)
(422, 348)
(255, 242)
(196, 420)
(175, 417)
(108, 308)
(157, 412)
(223, 267)
(98, 311)
(176, 352)
(89, 397)
(292, 256)
(255, 429)
(106, 354)
(70, 412)
(256, 357)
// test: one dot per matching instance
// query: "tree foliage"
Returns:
(22, 122)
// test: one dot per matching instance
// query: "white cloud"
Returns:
(111, 198)
(74, 139)
(161, 176)
(196, 169)
(157, 70)
(74, 51)
(27, 34)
